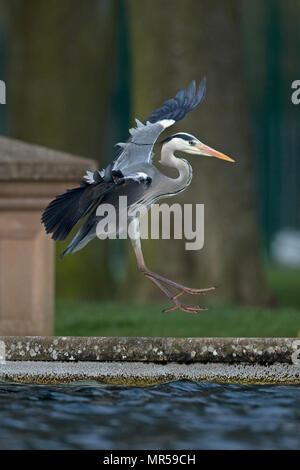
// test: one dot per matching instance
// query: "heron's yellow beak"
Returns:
(206, 150)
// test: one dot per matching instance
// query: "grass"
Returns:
(108, 318)
(286, 285)
(117, 319)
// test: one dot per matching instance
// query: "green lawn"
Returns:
(109, 318)
(286, 285)
(117, 319)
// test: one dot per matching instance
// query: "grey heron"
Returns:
(132, 174)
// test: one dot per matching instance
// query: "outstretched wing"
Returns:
(185, 100)
(132, 186)
(65, 211)
(139, 147)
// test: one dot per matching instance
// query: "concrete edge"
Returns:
(158, 350)
(142, 374)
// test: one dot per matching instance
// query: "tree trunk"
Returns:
(174, 42)
(61, 58)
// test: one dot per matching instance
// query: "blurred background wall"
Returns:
(76, 76)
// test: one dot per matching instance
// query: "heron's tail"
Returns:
(62, 214)
(80, 240)
(85, 234)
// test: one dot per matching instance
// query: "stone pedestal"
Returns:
(30, 176)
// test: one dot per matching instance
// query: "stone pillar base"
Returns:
(30, 177)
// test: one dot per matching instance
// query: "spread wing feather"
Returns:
(184, 102)
(65, 211)
(139, 147)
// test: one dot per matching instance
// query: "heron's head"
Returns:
(184, 142)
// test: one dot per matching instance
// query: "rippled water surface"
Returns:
(178, 415)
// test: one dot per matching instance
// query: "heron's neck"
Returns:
(183, 167)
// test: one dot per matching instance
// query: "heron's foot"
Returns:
(192, 291)
(159, 280)
(182, 289)
(184, 307)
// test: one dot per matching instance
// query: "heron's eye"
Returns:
(192, 142)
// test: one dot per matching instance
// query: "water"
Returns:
(178, 415)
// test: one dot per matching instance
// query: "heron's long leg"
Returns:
(143, 268)
(157, 279)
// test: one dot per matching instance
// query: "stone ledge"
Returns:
(22, 161)
(262, 351)
(137, 373)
